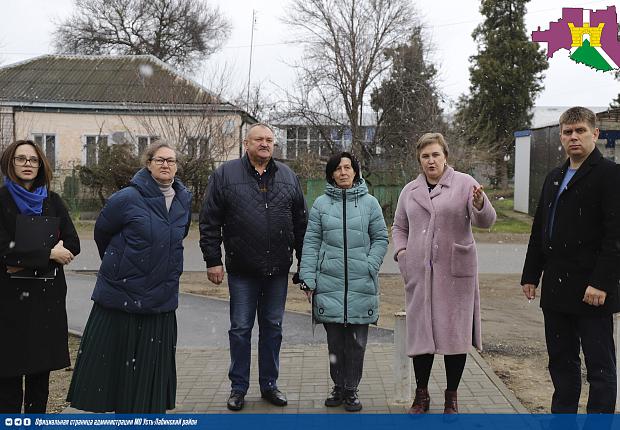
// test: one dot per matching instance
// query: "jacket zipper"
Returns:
(346, 266)
(263, 189)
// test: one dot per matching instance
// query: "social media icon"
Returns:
(8, 422)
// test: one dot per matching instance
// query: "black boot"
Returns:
(351, 401)
(335, 397)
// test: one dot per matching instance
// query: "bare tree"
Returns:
(259, 105)
(205, 132)
(344, 42)
(179, 32)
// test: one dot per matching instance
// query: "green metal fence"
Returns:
(386, 194)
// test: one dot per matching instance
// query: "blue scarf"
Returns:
(28, 203)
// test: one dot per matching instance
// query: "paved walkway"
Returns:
(203, 386)
(203, 360)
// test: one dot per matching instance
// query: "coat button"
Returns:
(321, 311)
(370, 312)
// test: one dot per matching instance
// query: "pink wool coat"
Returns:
(440, 265)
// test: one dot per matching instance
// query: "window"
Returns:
(228, 127)
(315, 141)
(93, 149)
(198, 147)
(291, 143)
(302, 141)
(144, 142)
(347, 138)
(47, 142)
(369, 134)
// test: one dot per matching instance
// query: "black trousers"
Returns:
(454, 364)
(565, 333)
(346, 345)
(33, 396)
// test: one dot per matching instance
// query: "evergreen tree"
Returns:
(407, 102)
(505, 76)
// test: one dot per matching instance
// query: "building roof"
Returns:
(546, 116)
(100, 79)
(284, 119)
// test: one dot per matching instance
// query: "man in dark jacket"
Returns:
(256, 206)
(575, 241)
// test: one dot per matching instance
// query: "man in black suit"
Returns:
(575, 246)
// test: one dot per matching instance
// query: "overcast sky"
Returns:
(26, 27)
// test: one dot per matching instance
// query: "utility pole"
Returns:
(247, 103)
(247, 100)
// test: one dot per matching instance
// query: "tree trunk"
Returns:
(501, 172)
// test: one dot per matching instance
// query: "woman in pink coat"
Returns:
(436, 254)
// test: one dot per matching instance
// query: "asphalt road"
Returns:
(204, 322)
(492, 258)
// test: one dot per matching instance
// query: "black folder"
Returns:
(33, 233)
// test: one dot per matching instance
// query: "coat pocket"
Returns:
(110, 264)
(464, 261)
(402, 266)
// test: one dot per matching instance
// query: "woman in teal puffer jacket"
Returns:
(344, 246)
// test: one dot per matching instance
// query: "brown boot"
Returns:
(421, 402)
(450, 406)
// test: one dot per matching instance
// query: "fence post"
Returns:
(402, 363)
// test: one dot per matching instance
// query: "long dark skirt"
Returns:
(126, 363)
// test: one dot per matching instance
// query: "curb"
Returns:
(509, 395)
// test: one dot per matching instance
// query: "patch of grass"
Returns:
(508, 221)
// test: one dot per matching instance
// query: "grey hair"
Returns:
(258, 124)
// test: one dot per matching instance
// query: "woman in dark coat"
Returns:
(126, 362)
(33, 316)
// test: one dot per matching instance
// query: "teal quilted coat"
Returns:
(344, 246)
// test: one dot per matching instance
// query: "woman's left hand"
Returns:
(478, 197)
(309, 295)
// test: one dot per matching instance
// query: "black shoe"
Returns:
(275, 397)
(351, 401)
(236, 401)
(335, 397)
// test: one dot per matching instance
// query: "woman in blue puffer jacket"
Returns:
(126, 362)
(344, 246)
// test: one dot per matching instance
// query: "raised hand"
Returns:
(478, 194)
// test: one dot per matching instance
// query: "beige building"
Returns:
(72, 105)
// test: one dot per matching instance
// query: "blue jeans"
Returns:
(247, 296)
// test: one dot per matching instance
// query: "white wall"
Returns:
(522, 174)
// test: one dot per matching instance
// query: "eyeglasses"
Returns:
(21, 161)
(161, 161)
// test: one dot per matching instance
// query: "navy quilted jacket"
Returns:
(261, 219)
(141, 247)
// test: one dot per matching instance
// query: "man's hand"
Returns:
(13, 269)
(594, 296)
(530, 291)
(60, 254)
(296, 279)
(401, 252)
(216, 274)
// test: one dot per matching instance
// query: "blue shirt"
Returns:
(567, 177)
